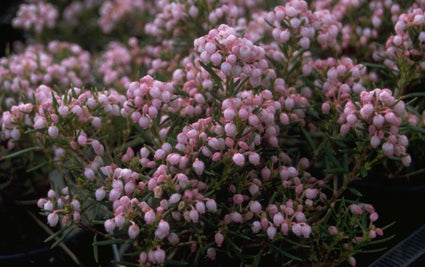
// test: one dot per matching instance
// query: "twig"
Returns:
(407, 175)
(50, 232)
(25, 202)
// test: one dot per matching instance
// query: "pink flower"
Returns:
(356, 209)
(89, 174)
(133, 230)
(236, 217)
(198, 166)
(388, 149)
(163, 229)
(239, 159)
(100, 194)
(200, 207)
(173, 238)
(53, 131)
(278, 219)
(373, 217)
(271, 232)
(211, 253)
(211, 205)
(219, 238)
(40, 123)
(52, 219)
(352, 261)
(194, 215)
(297, 229)
(159, 255)
(256, 227)
(406, 160)
(306, 230)
(109, 225)
(119, 220)
(284, 228)
(333, 230)
(255, 207)
(149, 217)
(97, 147)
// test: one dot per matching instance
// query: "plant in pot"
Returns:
(238, 141)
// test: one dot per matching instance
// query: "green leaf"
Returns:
(232, 244)
(374, 250)
(20, 152)
(95, 249)
(37, 167)
(125, 263)
(332, 158)
(379, 241)
(239, 235)
(55, 235)
(354, 192)
(257, 259)
(175, 263)
(63, 237)
(5, 184)
(287, 254)
(308, 137)
(388, 226)
(214, 75)
(108, 242)
(296, 243)
(412, 95)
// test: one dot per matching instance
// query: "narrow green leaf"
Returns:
(175, 263)
(309, 140)
(412, 95)
(334, 170)
(388, 226)
(354, 192)
(214, 75)
(55, 235)
(374, 250)
(125, 263)
(5, 184)
(239, 235)
(232, 244)
(287, 254)
(257, 259)
(296, 243)
(108, 242)
(62, 238)
(38, 166)
(379, 241)
(95, 249)
(20, 152)
(332, 158)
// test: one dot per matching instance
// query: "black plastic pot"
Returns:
(22, 242)
(397, 201)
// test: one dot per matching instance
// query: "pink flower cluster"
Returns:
(225, 146)
(56, 114)
(342, 79)
(60, 64)
(114, 12)
(61, 204)
(408, 41)
(36, 16)
(179, 19)
(234, 56)
(295, 23)
(146, 99)
(380, 114)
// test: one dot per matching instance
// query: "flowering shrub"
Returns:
(219, 130)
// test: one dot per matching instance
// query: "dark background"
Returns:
(8, 34)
